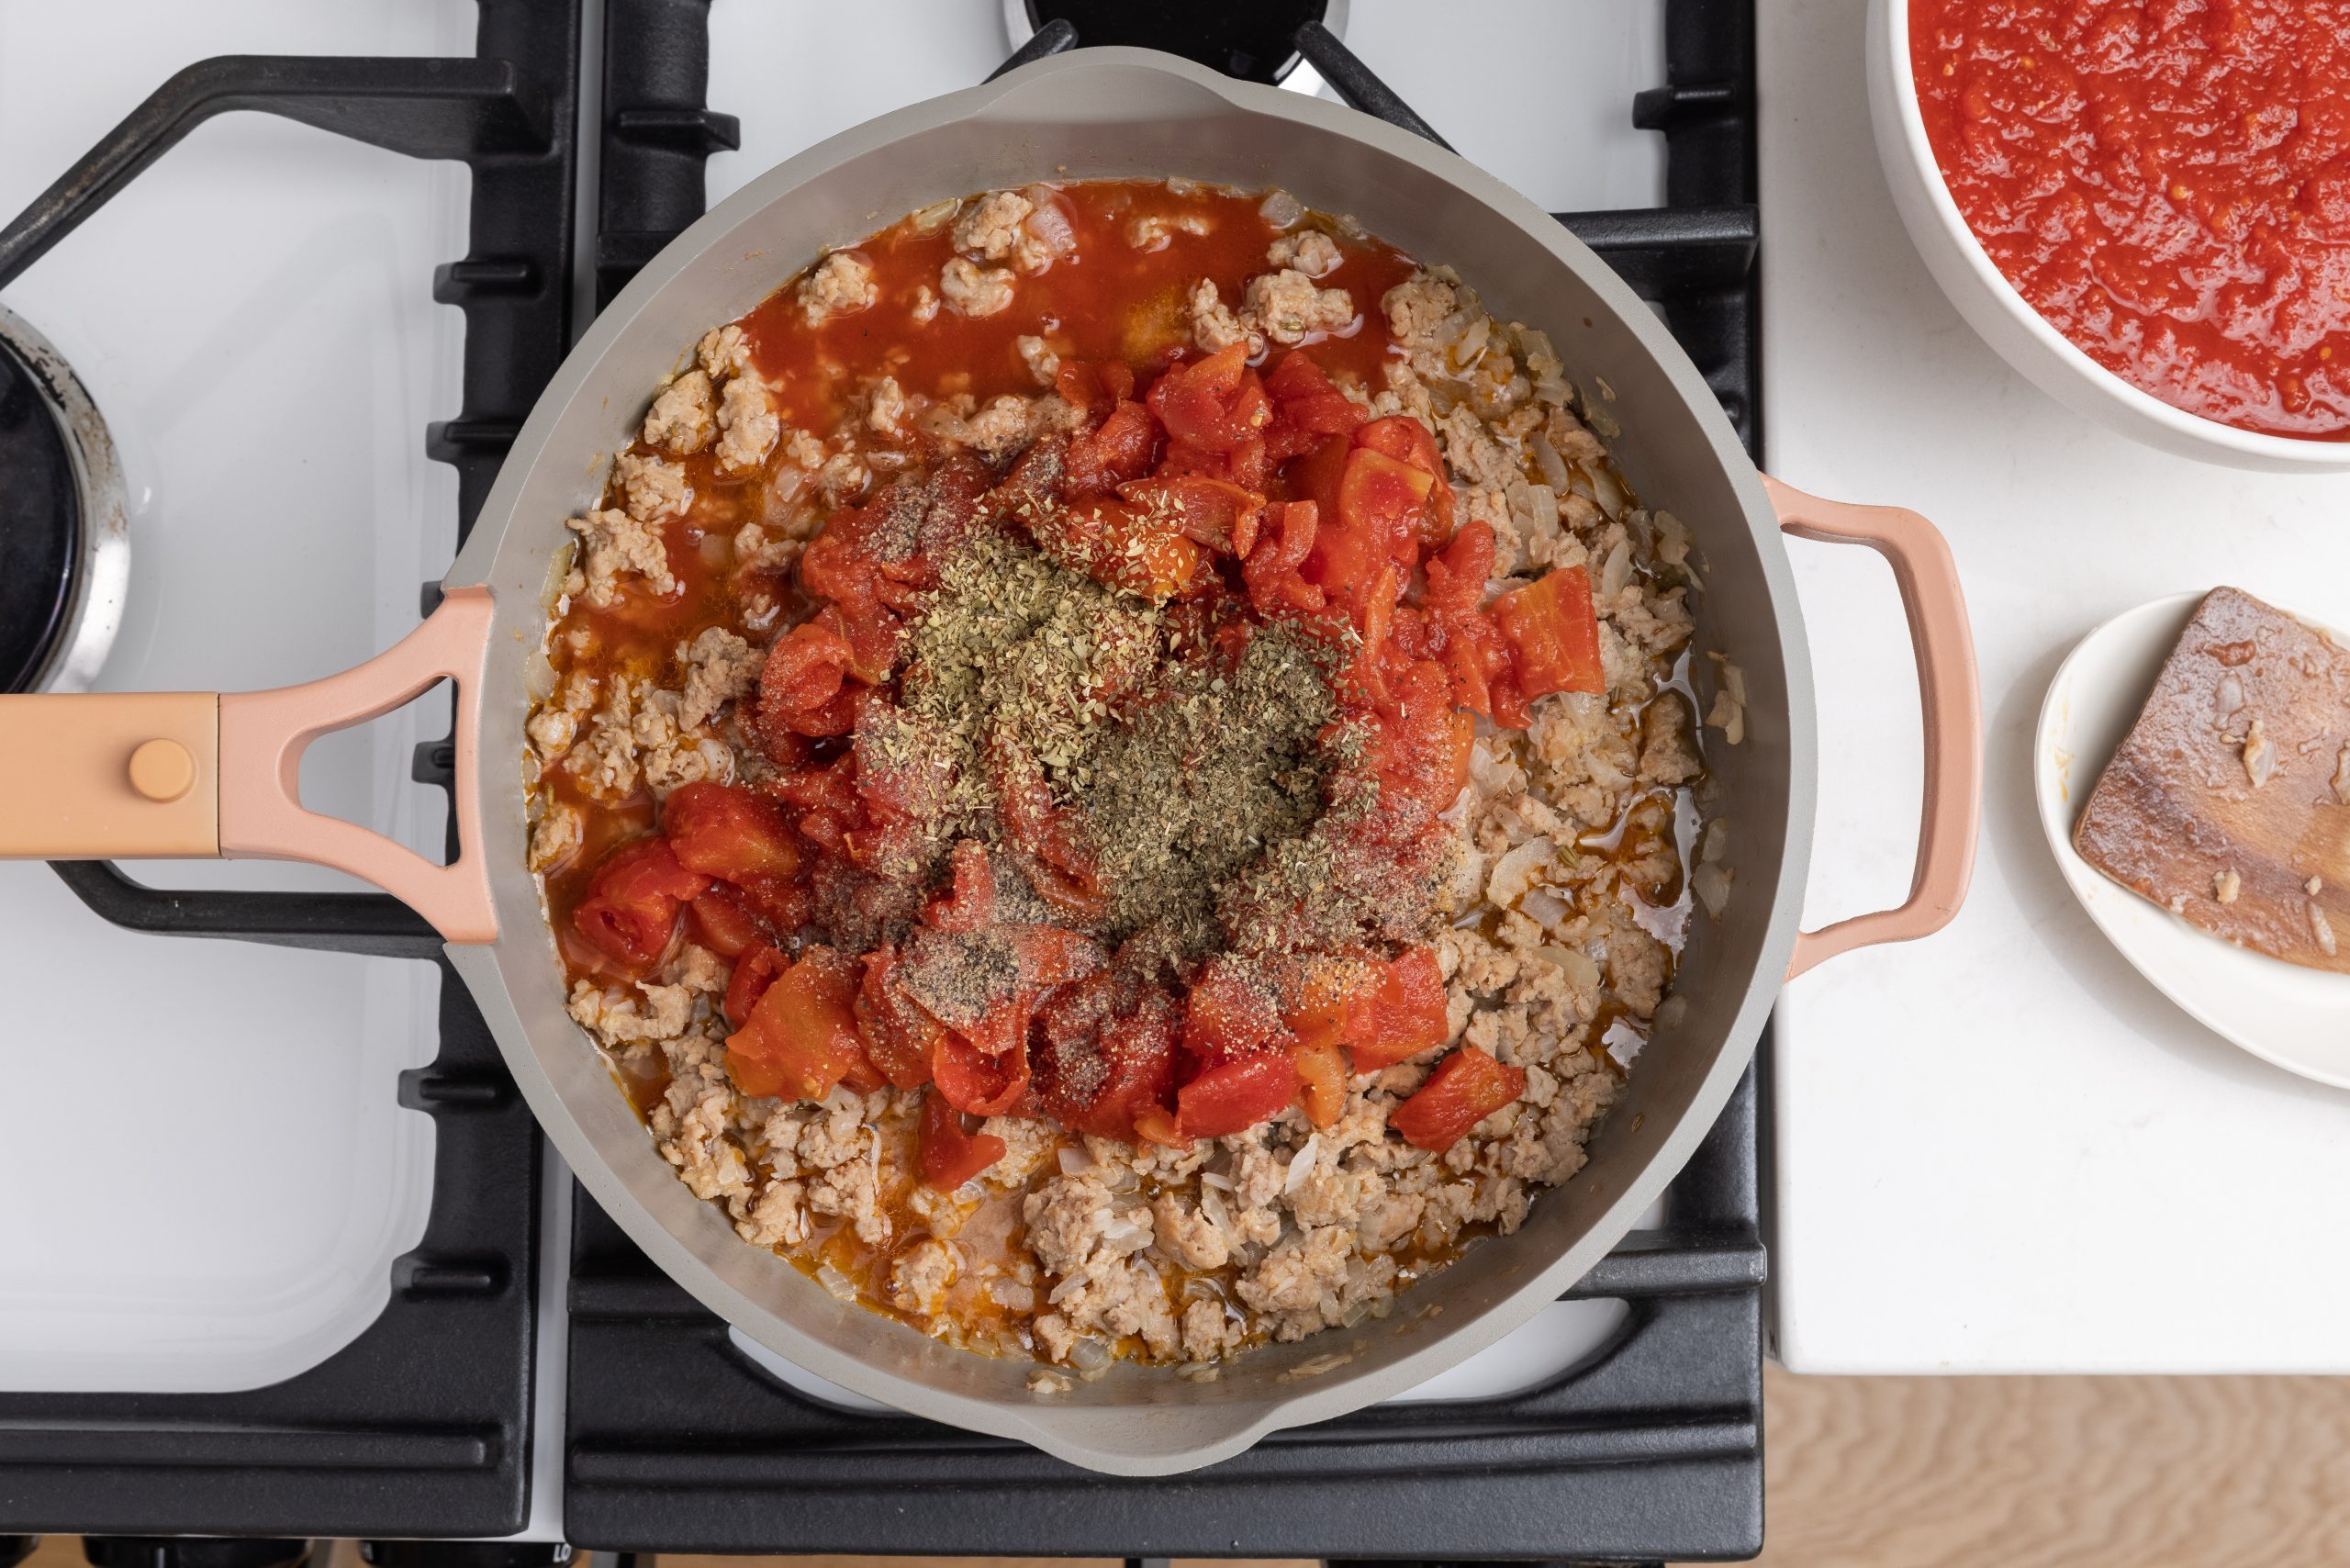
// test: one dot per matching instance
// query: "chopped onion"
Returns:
(1212, 1208)
(1547, 458)
(1614, 572)
(935, 216)
(1710, 882)
(1216, 1179)
(1051, 225)
(1606, 492)
(1717, 841)
(1090, 1355)
(538, 676)
(1124, 1235)
(1671, 1011)
(1281, 209)
(1074, 1160)
(1066, 1289)
(1543, 907)
(1012, 1295)
(842, 1287)
(1583, 973)
(1301, 1164)
(1514, 872)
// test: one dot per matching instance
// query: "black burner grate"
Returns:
(44, 529)
(422, 1425)
(675, 1441)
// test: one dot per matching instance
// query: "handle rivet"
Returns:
(161, 769)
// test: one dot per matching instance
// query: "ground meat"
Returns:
(724, 351)
(917, 1279)
(613, 544)
(1214, 327)
(720, 667)
(682, 420)
(555, 837)
(746, 416)
(990, 228)
(924, 307)
(842, 282)
(1042, 362)
(654, 490)
(886, 411)
(553, 727)
(999, 430)
(655, 1012)
(1065, 1217)
(1291, 308)
(698, 970)
(970, 289)
(1309, 251)
(1155, 231)
(1667, 755)
(1184, 1236)
(777, 1218)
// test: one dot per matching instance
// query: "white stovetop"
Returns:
(2000, 1149)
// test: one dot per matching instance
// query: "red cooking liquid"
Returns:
(2168, 182)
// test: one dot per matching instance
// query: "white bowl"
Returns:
(2298, 1018)
(1993, 308)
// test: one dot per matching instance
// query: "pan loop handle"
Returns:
(1949, 694)
(264, 734)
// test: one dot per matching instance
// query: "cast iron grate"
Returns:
(422, 1425)
(674, 1441)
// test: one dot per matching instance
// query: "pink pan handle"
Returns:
(197, 774)
(1949, 691)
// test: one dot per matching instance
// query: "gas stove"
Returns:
(347, 1292)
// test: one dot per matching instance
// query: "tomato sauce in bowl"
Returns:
(2167, 184)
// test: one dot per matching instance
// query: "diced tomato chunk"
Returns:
(757, 970)
(1236, 1095)
(720, 922)
(1095, 386)
(968, 903)
(1322, 1078)
(1457, 574)
(1212, 403)
(1270, 573)
(633, 902)
(1103, 1064)
(1407, 440)
(1466, 1087)
(1215, 513)
(1553, 634)
(1424, 741)
(950, 1156)
(1117, 449)
(1120, 544)
(1400, 1014)
(972, 1081)
(899, 1037)
(725, 830)
(800, 1038)
(1226, 1016)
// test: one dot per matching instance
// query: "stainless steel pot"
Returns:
(200, 774)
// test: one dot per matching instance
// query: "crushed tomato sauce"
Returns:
(2168, 183)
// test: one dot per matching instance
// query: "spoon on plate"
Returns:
(2298, 1018)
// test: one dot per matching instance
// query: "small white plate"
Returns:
(2298, 1018)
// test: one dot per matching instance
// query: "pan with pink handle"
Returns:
(198, 774)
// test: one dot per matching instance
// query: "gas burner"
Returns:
(1247, 38)
(66, 541)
